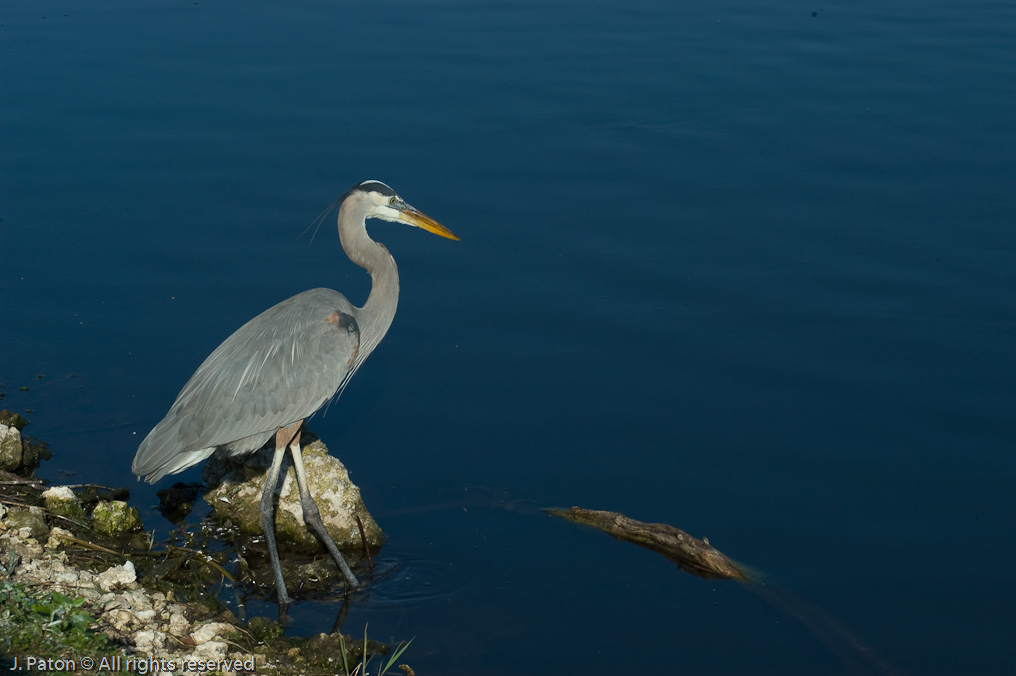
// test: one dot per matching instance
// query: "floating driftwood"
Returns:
(690, 554)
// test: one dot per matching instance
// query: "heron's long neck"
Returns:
(377, 313)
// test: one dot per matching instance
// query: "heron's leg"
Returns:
(282, 439)
(313, 517)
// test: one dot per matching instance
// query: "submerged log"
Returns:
(690, 554)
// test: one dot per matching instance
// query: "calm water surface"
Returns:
(743, 268)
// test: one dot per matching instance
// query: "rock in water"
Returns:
(235, 494)
(114, 516)
(62, 501)
(10, 448)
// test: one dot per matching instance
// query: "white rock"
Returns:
(89, 592)
(207, 632)
(116, 576)
(178, 624)
(59, 493)
(139, 600)
(58, 536)
(122, 619)
(213, 650)
(145, 616)
(69, 578)
(149, 640)
(178, 608)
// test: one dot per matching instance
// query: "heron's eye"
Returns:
(392, 200)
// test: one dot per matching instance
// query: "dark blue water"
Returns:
(743, 268)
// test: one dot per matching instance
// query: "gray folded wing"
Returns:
(276, 369)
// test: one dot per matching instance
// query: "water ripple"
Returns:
(404, 579)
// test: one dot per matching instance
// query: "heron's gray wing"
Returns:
(276, 369)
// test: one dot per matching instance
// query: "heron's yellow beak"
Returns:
(417, 219)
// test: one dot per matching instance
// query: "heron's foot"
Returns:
(284, 603)
(351, 580)
(284, 614)
(312, 517)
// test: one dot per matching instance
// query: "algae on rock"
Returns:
(33, 519)
(235, 495)
(62, 501)
(112, 517)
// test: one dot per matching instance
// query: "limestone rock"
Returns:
(110, 518)
(32, 519)
(121, 619)
(116, 576)
(213, 650)
(139, 600)
(236, 495)
(145, 616)
(178, 624)
(210, 631)
(149, 640)
(10, 448)
(58, 537)
(62, 501)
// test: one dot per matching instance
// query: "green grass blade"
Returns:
(364, 670)
(396, 655)
(345, 660)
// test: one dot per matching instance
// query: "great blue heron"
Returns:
(285, 364)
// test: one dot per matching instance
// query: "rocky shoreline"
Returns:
(80, 557)
(138, 621)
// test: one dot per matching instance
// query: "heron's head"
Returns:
(380, 201)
